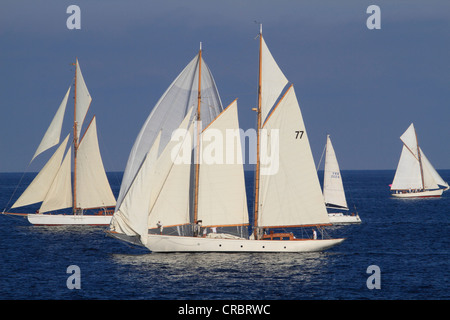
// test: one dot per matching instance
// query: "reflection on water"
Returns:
(223, 275)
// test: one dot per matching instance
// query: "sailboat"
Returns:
(333, 189)
(52, 185)
(415, 176)
(170, 205)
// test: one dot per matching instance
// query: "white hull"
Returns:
(62, 219)
(340, 218)
(166, 243)
(419, 194)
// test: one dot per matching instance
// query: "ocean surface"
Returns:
(408, 242)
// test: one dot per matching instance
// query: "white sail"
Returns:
(169, 112)
(222, 198)
(53, 133)
(408, 174)
(414, 171)
(59, 196)
(333, 188)
(83, 99)
(93, 189)
(432, 171)
(38, 188)
(169, 199)
(273, 81)
(409, 139)
(132, 216)
(291, 196)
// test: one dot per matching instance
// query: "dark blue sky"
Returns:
(364, 87)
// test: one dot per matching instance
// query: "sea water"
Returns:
(406, 240)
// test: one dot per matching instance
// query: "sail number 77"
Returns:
(299, 134)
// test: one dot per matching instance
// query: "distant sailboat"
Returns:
(169, 206)
(53, 187)
(415, 176)
(333, 189)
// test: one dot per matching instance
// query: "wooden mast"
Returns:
(257, 172)
(197, 163)
(420, 160)
(75, 142)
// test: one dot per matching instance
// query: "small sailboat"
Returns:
(53, 187)
(170, 205)
(415, 176)
(333, 189)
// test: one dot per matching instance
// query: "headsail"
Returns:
(132, 216)
(39, 187)
(432, 171)
(59, 196)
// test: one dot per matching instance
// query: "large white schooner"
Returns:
(170, 205)
(91, 194)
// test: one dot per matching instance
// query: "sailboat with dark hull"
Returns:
(91, 198)
(171, 205)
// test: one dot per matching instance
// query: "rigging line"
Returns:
(320, 161)
(17, 186)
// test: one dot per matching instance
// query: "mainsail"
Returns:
(291, 195)
(93, 189)
(288, 193)
(333, 188)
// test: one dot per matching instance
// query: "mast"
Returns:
(197, 163)
(420, 161)
(75, 142)
(258, 110)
